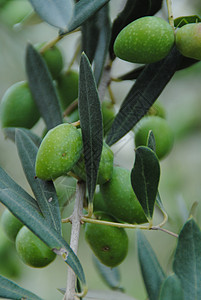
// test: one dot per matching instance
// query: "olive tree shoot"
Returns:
(100, 149)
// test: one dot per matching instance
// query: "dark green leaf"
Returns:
(187, 262)
(143, 94)
(44, 191)
(181, 21)
(10, 290)
(9, 133)
(7, 182)
(25, 212)
(42, 88)
(133, 10)
(84, 9)
(151, 143)
(91, 124)
(152, 272)
(111, 276)
(185, 63)
(145, 177)
(104, 25)
(55, 12)
(171, 289)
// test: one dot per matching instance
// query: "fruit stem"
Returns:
(70, 108)
(114, 224)
(164, 230)
(77, 51)
(111, 94)
(75, 231)
(50, 44)
(170, 13)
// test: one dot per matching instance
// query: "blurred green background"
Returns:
(180, 184)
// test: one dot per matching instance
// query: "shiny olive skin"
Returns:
(10, 224)
(109, 244)
(120, 198)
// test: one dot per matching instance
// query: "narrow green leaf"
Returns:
(181, 21)
(171, 289)
(111, 276)
(151, 143)
(7, 182)
(84, 9)
(103, 21)
(133, 10)
(143, 94)
(133, 74)
(42, 88)
(10, 290)
(91, 124)
(44, 191)
(55, 12)
(145, 177)
(152, 272)
(39, 226)
(9, 133)
(187, 262)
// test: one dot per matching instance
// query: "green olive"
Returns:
(32, 250)
(157, 109)
(145, 40)
(162, 132)
(105, 166)
(53, 59)
(67, 86)
(10, 224)
(18, 108)
(59, 151)
(109, 244)
(98, 203)
(120, 199)
(188, 40)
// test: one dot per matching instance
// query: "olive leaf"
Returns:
(171, 288)
(43, 88)
(10, 290)
(145, 177)
(91, 124)
(181, 21)
(143, 94)
(187, 263)
(152, 272)
(55, 12)
(44, 191)
(9, 133)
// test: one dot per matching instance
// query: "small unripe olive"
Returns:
(188, 40)
(59, 151)
(108, 114)
(10, 224)
(163, 134)
(18, 108)
(145, 40)
(67, 86)
(120, 198)
(32, 250)
(53, 59)
(98, 203)
(105, 166)
(109, 244)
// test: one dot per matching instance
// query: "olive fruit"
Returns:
(59, 151)
(98, 203)
(108, 114)
(109, 244)
(14, 11)
(163, 134)
(32, 250)
(120, 198)
(10, 224)
(53, 59)
(145, 40)
(105, 166)
(188, 40)
(18, 108)
(67, 86)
